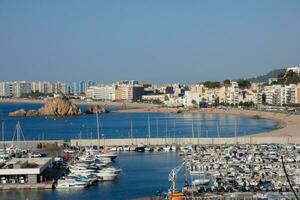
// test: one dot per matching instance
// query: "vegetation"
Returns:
(36, 94)
(247, 104)
(226, 82)
(287, 78)
(153, 101)
(212, 84)
(244, 83)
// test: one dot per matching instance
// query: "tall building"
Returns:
(232, 95)
(4, 89)
(298, 93)
(101, 93)
(124, 92)
(21, 88)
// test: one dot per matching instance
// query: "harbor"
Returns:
(207, 158)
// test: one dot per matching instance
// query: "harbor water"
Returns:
(143, 174)
(118, 125)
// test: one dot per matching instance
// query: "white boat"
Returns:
(62, 184)
(126, 148)
(196, 173)
(106, 176)
(167, 149)
(112, 170)
(107, 155)
(201, 181)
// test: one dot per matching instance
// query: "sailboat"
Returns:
(106, 154)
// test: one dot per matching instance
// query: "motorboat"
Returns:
(201, 181)
(106, 176)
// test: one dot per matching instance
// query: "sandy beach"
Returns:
(288, 124)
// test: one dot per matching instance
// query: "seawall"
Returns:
(185, 141)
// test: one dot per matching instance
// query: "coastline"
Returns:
(288, 124)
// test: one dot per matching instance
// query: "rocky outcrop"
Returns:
(32, 113)
(59, 106)
(20, 112)
(96, 109)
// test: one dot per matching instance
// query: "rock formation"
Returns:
(96, 109)
(20, 112)
(59, 106)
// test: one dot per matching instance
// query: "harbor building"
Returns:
(24, 170)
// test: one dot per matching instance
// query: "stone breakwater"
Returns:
(59, 106)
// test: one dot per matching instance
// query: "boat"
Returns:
(62, 184)
(196, 173)
(140, 149)
(106, 175)
(201, 181)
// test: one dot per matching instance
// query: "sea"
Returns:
(144, 174)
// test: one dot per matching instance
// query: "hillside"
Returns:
(264, 78)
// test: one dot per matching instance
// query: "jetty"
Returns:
(184, 141)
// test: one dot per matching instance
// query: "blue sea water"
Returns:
(117, 125)
(143, 173)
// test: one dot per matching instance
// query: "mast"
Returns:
(18, 134)
(3, 134)
(235, 132)
(149, 129)
(157, 128)
(174, 133)
(166, 132)
(218, 131)
(198, 134)
(131, 131)
(98, 133)
(193, 134)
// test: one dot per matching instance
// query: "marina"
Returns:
(204, 165)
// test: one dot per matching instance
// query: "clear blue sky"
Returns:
(147, 40)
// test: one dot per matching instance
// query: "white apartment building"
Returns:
(273, 94)
(101, 93)
(232, 93)
(4, 89)
(191, 99)
(21, 88)
(288, 94)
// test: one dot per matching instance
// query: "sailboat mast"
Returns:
(149, 129)
(193, 134)
(157, 128)
(18, 134)
(3, 134)
(98, 133)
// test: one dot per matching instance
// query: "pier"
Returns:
(185, 141)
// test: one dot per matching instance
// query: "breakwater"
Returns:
(185, 141)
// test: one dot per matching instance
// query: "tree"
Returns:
(212, 84)
(226, 82)
(194, 103)
(244, 83)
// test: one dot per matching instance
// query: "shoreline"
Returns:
(288, 124)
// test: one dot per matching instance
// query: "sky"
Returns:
(146, 40)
